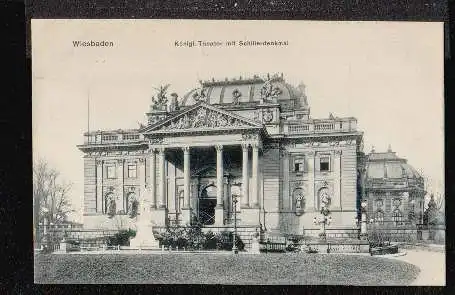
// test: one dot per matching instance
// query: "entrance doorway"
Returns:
(207, 204)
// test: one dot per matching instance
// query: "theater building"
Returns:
(252, 138)
(394, 189)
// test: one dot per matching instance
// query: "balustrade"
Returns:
(105, 138)
(320, 127)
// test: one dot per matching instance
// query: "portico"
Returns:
(217, 144)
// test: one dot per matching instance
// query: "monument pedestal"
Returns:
(254, 246)
(144, 231)
(144, 237)
(63, 246)
(219, 216)
(158, 216)
(186, 216)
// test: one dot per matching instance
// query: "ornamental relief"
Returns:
(298, 200)
(249, 136)
(257, 116)
(236, 94)
(200, 94)
(268, 91)
(298, 184)
(267, 116)
(319, 185)
(203, 118)
(158, 140)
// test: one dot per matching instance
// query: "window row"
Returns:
(397, 203)
(324, 164)
(111, 171)
(109, 137)
(397, 217)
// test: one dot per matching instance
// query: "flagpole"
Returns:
(88, 114)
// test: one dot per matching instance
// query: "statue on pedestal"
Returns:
(144, 228)
(254, 243)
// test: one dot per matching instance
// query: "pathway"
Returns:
(431, 263)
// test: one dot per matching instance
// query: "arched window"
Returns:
(379, 217)
(397, 217)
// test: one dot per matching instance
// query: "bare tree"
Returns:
(50, 195)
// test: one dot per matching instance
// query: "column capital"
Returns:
(141, 160)
(256, 145)
(161, 150)
(245, 146)
(311, 153)
(219, 147)
(120, 161)
(186, 149)
(157, 140)
(99, 162)
(152, 149)
(337, 152)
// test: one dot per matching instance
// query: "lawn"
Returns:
(287, 269)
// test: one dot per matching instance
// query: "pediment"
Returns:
(202, 117)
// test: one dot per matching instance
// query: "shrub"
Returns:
(379, 237)
(292, 247)
(312, 250)
(210, 241)
(193, 238)
(226, 240)
(122, 238)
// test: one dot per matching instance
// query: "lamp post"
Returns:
(323, 220)
(363, 224)
(234, 246)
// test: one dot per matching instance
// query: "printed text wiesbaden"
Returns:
(93, 43)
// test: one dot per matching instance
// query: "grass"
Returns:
(266, 269)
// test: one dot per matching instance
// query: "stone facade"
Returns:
(248, 137)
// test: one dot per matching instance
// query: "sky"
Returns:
(388, 75)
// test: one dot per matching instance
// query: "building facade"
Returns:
(251, 138)
(394, 189)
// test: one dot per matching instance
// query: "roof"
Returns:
(389, 165)
(247, 91)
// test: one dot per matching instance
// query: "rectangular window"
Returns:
(299, 165)
(324, 163)
(110, 171)
(131, 136)
(109, 137)
(132, 171)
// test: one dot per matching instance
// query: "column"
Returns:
(120, 176)
(142, 196)
(337, 178)
(245, 176)
(219, 176)
(311, 198)
(187, 176)
(286, 202)
(162, 184)
(219, 211)
(254, 176)
(152, 180)
(99, 186)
